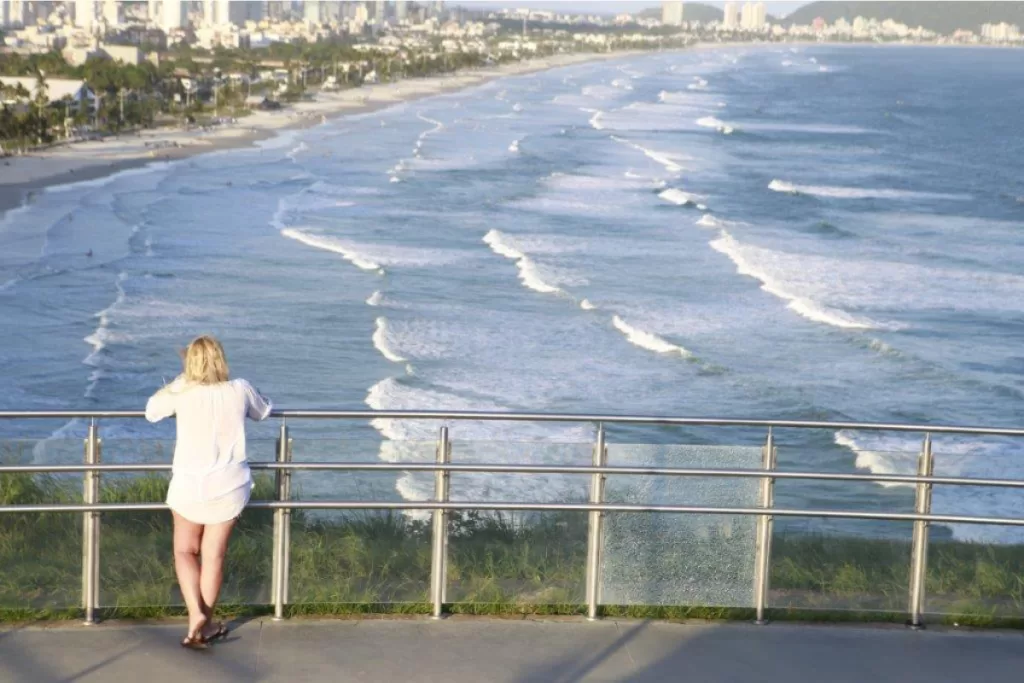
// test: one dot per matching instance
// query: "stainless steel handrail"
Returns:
(551, 417)
(531, 507)
(499, 468)
(283, 468)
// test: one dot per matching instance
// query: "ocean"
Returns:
(828, 233)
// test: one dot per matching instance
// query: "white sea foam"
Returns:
(858, 192)
(698, 84)
(531, 274)
(647, 340)
(678, 197)
(713, 222)
(498, 442)
(601, 92)
(748, 262)
(595, 121)
(958, 457)
(663, 158)
(331, 244)
(297, 150)
(382, 343)
(375, 299)
(587, 306)
(438, 126)
(106, 180)
(622, 83)
(810, 128)
(514, 147)
(592, 183)
(712, 122)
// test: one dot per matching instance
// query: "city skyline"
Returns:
(777, 8)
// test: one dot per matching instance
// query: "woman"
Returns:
(210, 482)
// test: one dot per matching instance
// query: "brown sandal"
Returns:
(195, 642)
(221, 633)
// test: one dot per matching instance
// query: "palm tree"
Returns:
(42, 101)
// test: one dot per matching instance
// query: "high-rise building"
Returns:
(760, 15)
(379, 12)
(672, 13)
(362, 14)
(330, 11)
(731, 18)
(401, 10)
(754, 16)
(112, 12)
(13, 12)
(275, 10)
(311, 11)
(85, 14)
(172, 15)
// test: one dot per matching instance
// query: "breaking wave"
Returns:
(647, 340)
(834, 192)
(382, 342)
(712, 122)
(747, 263)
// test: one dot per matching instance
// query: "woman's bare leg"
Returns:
(214, 547)
(188, 539)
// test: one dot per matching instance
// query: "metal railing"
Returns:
(441, 506)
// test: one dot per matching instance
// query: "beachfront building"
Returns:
(1000, 33)
(755, 16)
(111, 13)
(58, 91)
(172, 15)
(731, 17)
(85, 15)
(672, 13)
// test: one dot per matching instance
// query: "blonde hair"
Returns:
(204, 361)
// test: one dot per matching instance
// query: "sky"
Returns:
(779, 8)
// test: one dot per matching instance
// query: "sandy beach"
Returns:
(20, 176)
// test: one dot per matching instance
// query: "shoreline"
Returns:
(22, 177)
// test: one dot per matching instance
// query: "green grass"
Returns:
(379, 563)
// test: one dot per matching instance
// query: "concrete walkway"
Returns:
(469, 650)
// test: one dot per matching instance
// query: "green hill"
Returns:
(942, 17)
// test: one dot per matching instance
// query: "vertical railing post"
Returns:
(594, 527)
(763, 552)
(919, 559)
(91, 528)
(439, 563)
(286, 528)
(281, 520)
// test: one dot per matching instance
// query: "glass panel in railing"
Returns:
(136, 548)
(656, 558)
(841, 565)
(974, 570)
(40, 553)
(509, 560)
(360, 559)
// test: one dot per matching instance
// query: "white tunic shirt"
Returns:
(209, 455)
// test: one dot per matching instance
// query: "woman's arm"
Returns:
(256, 406)
(161, 404)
